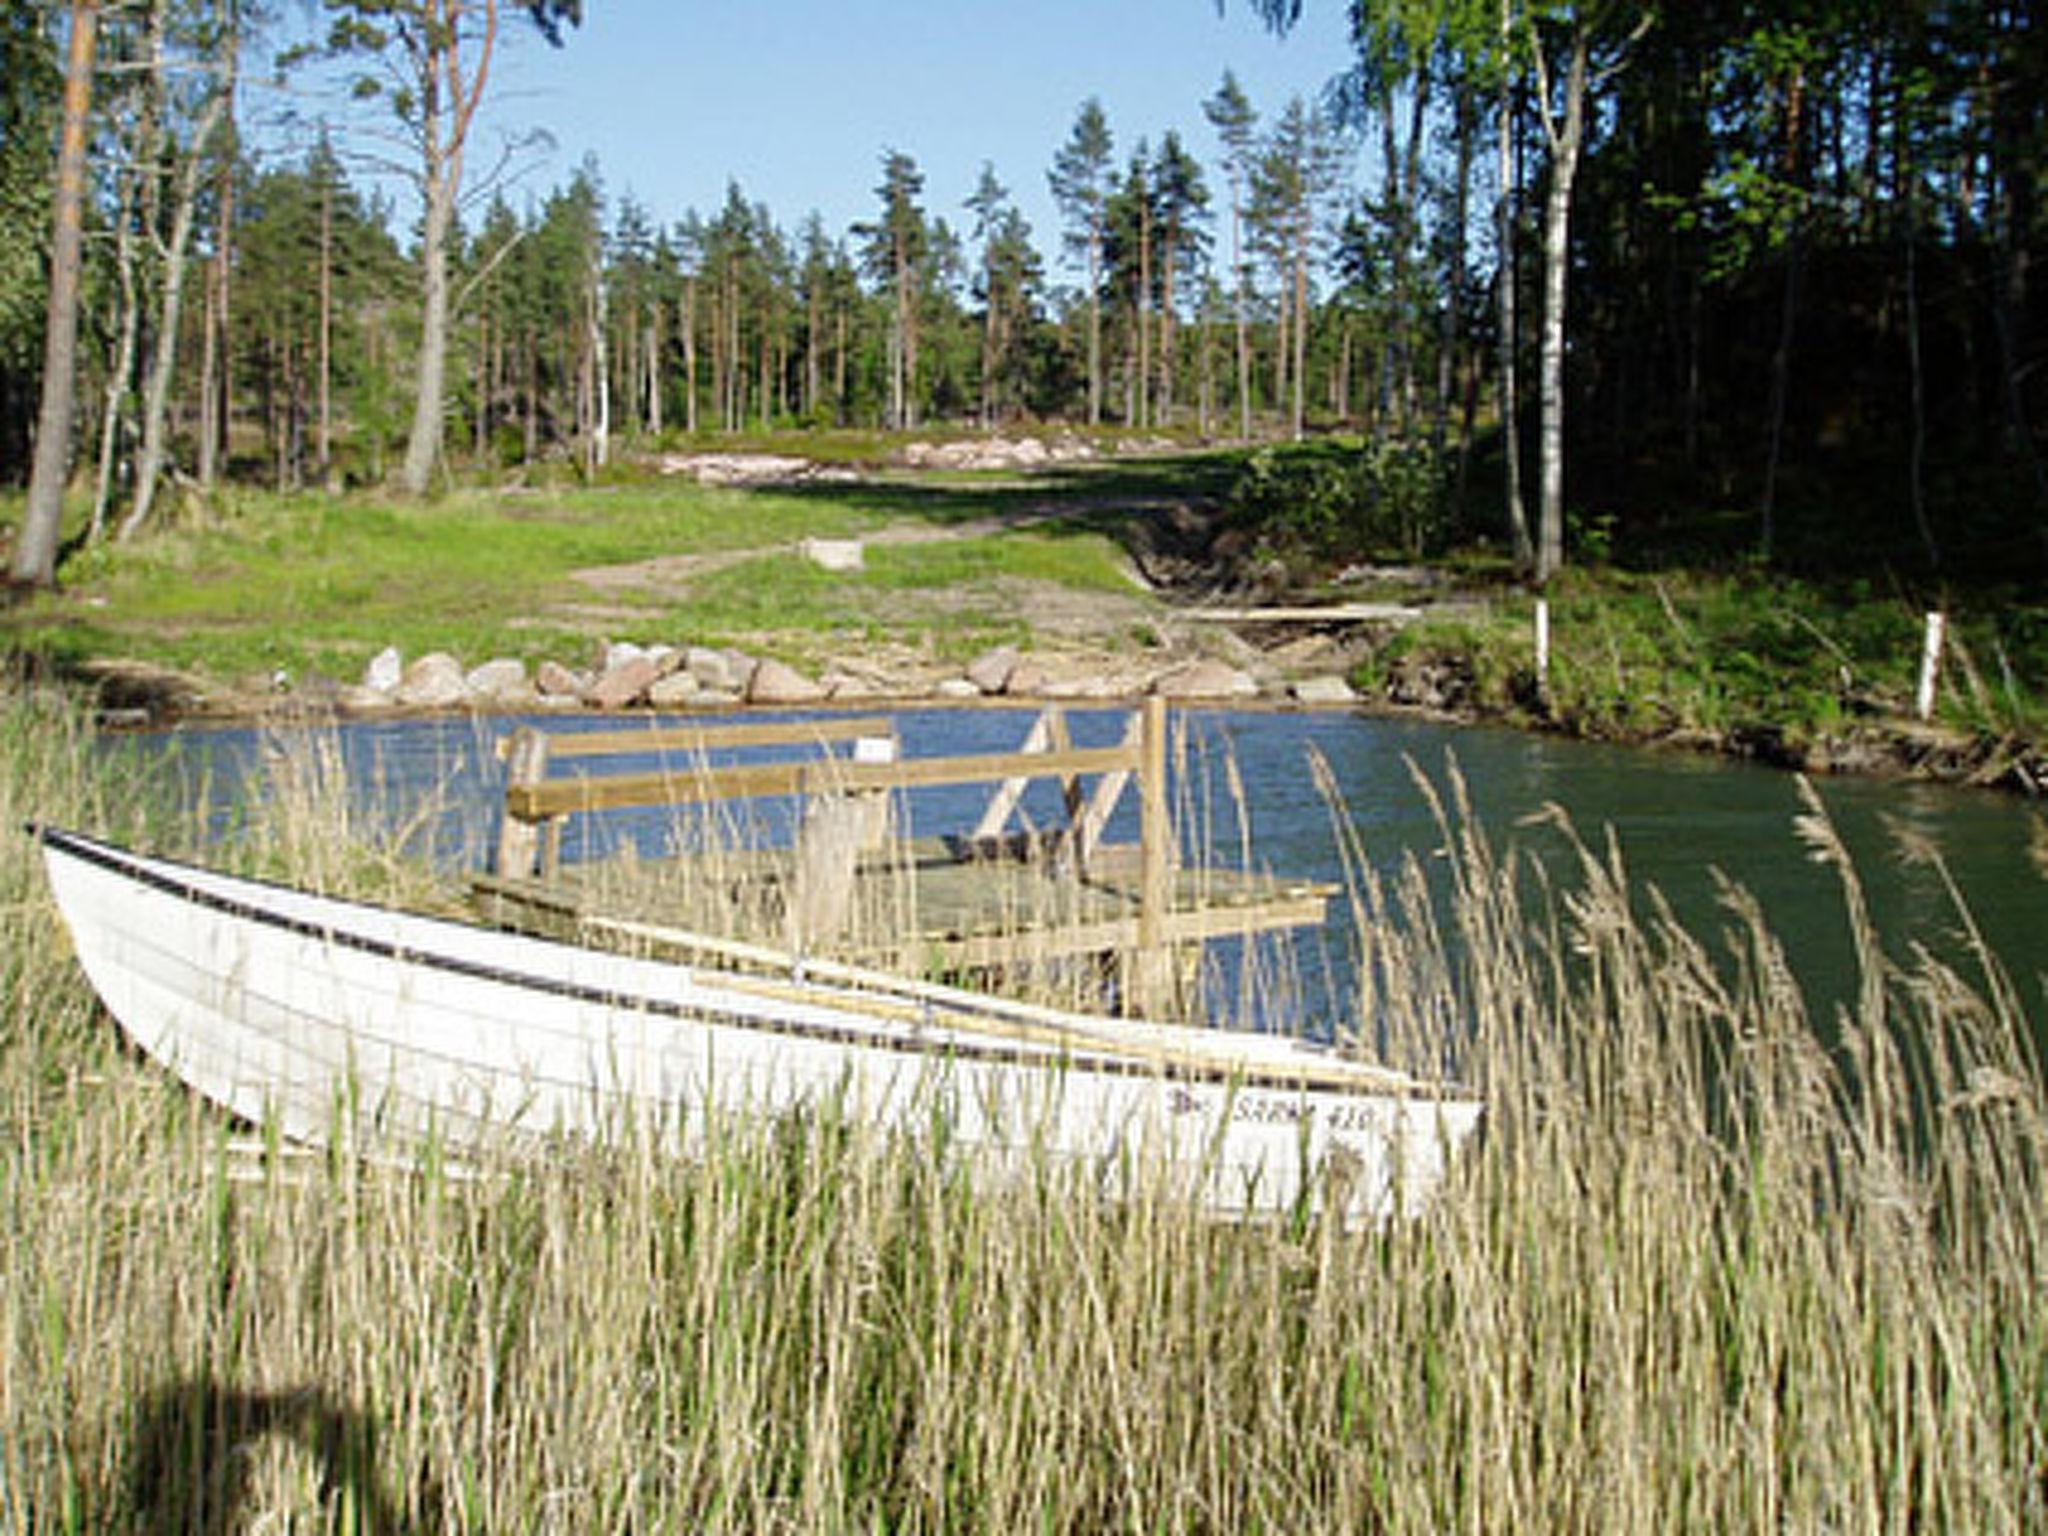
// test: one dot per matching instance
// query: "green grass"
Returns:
(1712, 657)
(1701, 1272)
(317, 584)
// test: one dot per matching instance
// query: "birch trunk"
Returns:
(1565, 138)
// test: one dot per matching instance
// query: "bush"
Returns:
(1319, 505)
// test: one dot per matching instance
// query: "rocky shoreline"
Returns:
(625, 677)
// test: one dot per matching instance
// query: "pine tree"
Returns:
(1080, 185)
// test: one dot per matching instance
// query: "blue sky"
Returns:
(798, 100)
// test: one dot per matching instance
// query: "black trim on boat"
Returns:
(119, 861)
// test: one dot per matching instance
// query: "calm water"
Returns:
(1678, 818)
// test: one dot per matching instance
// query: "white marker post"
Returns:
(1542, 646)
(1930, 667)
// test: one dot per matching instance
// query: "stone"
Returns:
(956, 688)
(674, 690)
(776, 682)
(1027, 680)
(711, 668)
(991, 670)
(616, 653)
(555, 681)
(501, 679)
(739, 670)
(385, 671)
(836, 555)
(435, 681)
(1323, 691)
(1205, 679)
(623, 683)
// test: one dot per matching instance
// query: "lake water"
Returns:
(1678, 819)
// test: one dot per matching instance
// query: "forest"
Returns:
(1717, 282)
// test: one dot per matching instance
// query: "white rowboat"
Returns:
(344, 1023)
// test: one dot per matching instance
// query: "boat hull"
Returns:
(343, 1023)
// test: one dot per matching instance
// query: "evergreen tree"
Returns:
(1230, 113)
(1080, 185)
(895, 253)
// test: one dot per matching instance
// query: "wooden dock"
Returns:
(991, 903)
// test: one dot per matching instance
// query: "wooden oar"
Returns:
(1013, 1019)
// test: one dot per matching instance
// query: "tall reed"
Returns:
(1715, 1265)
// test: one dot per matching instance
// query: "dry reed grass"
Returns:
(1714, 1266)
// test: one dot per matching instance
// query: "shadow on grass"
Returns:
(1086, 497)
(193, 1448)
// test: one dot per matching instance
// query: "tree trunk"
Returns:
(149, 462)
(443, 90)
(217, 368)
(35, 553)
(1565, 139)
(689, 328)
(1509, 320)
(121, 371)
(1095, 324)
(326, 439)
(423, 443)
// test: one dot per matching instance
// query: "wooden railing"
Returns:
(845, 798)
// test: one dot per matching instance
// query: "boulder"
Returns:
(555, 681)
(624, 682)
(836, 555)
(1205, 680)
(775, 682)
(385, 671)
(1322, 691)
(435, 681)
(712, 669)
(991, 670)
(1027, 680)
(500, 680)
(616, 653)
(846, 685)
(956, 688)
(674, 690)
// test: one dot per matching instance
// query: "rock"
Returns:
(737, 468)
(1027, 680)
(360, 699)
(555, 681)
(500, 680)
(616, 653)
(776, 682)
(845, 685)
(1205, 679)
(435, 681)
(623, 683)
(991, 670)
(1323, 691)
(709, 667)
(739, 670)
(385, 671)
(956, 688)
(832, 554)
(674, 690)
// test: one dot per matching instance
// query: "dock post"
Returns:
(1152, 973)
(519, 840)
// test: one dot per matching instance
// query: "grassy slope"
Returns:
(316, 584)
